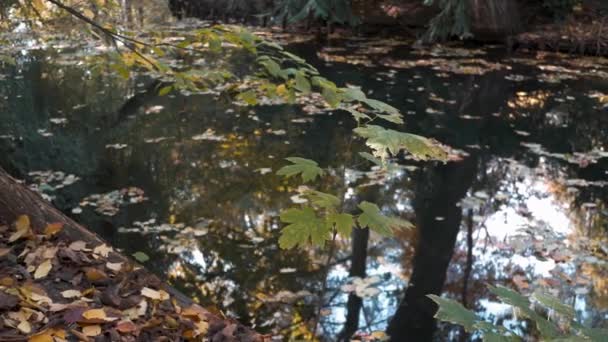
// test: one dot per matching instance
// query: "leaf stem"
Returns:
(327, 266)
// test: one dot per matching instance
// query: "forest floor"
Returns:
(60, 282)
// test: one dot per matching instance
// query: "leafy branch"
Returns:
(570, 330)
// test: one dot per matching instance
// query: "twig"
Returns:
(113, 35)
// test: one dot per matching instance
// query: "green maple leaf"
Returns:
(383, 140)
(546, 328)
(323, 200)
(343, 222)
(309, 169)
(453, 312)
(373, 218)
(304, 226)
(554, 303)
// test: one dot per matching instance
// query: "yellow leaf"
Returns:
(201, 328)
(153, 294)
(45, 336)
(94, 314)
(24, 327)
(23, 228)
(282, 90)
(53, 228)
(88, 13)
(43, 269)
(92, 330)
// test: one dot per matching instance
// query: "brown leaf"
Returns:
(53, 228)
(126, 327)
(7, 301)
(74, 315)
(4, 251)
(93, 274)
(43, 269)
(91, 330)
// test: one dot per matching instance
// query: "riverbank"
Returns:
(60, 281)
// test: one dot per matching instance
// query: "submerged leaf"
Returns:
(309, 169)
(141, 256)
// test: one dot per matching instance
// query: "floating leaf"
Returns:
(141, 256)
(453, 312)
(303, 226)
(382, 140)
(116, 267)
(164, 90)
(373, 218)
(309, 169)
(103, 250)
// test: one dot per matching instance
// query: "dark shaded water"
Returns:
(525, 208)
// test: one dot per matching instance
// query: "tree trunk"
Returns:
(437, 196)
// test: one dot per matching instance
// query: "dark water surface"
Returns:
(524, 208)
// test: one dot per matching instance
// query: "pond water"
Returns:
(190, 181)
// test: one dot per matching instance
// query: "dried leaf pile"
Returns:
(54, 289)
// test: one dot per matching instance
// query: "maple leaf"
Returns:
(382, 141)
(304, 225)
(453, 312)
(343, 222)
(309, 169)
(373, 218)
(321, 199)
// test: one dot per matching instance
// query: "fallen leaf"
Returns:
(153, 294)
(45, 336)
(116, 267)
(91, 330)
(7, 301)
(78, 246)
(103, 250)
(23, 228)
(94, 314)
(71, 294)
(4, 251)
(24, 327)
(94, 274)
(53, 228)
(126, 327)
(43, 269)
